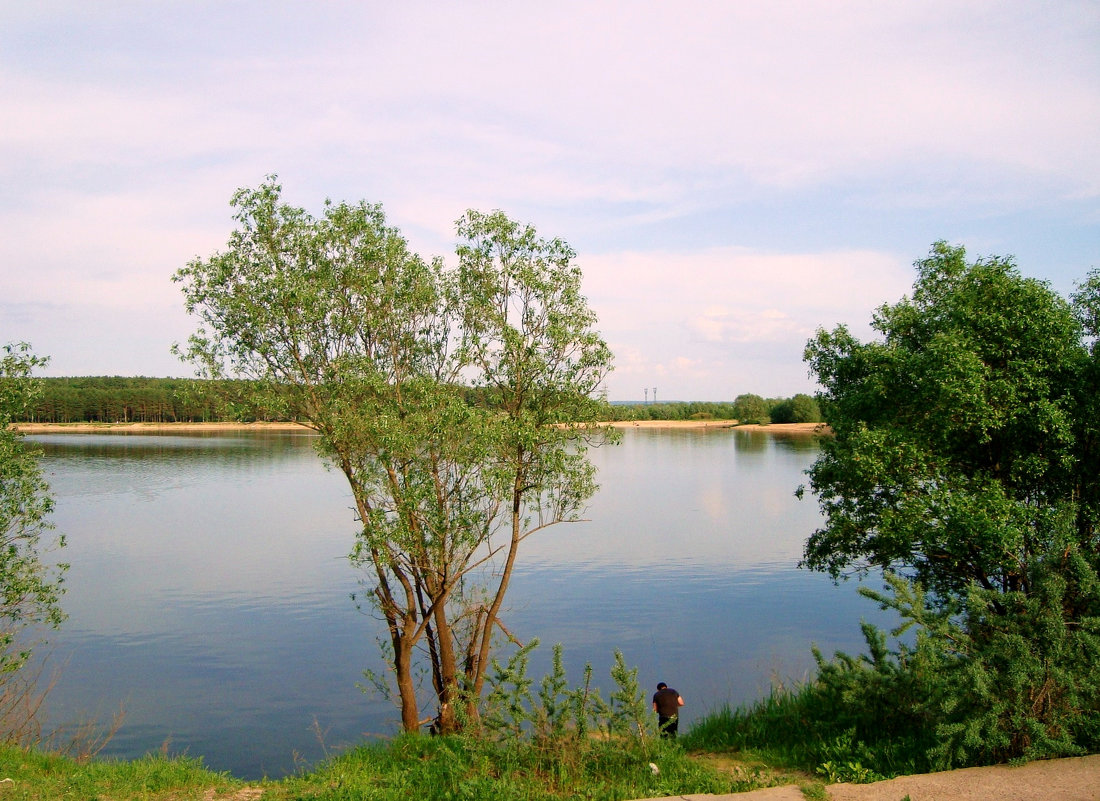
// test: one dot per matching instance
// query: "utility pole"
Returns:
(647, 394)
(655, 394)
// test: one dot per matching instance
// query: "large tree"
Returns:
(456, 401)
(956, 434)
(964, 464)
(30, 586)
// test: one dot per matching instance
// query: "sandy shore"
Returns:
(158, 428)
(152, 428)
(774, 428)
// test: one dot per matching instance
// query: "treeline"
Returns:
(745, 409)
(102, 399)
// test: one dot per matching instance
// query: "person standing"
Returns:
(667, 703)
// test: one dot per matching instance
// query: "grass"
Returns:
(30, 775)
(799, 730)
(772, 729)
(407, 767)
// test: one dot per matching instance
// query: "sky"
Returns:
(733, 175)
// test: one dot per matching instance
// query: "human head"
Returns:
(661, 685)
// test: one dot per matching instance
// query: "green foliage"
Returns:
(564, 714)
(1024, 687)
(509, 707)
(799, 409)
(457, 402)
(1017, 674)
(810, 727)
(541, 748)
(850, 771)
(964, 460)
(955, 435)
(626, 714)
(30, 588)
(745, 409)
(462, 767)
(42, 776)
(102, 399)
(695, 410)
(410, 766)
(749, 408)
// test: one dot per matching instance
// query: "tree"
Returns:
(341, 326)
(30, 588)
(964, 464)
(800, 409)
(956, 434)
(751, 408)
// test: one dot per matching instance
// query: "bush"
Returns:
(1003, 677)
(30, 585)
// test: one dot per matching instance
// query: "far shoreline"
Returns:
(162, 428)
(773, 428)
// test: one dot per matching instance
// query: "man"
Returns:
(667, 703)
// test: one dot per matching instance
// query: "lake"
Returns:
(210, 592)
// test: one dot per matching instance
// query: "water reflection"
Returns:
(700, 500)
(209, 585)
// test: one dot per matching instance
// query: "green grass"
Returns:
(464, 768)
(773, 728)
(800, 729)
(407, 767)
(31, 775)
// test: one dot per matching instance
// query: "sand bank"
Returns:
(160, 428)
(774, 428)
(149, 428)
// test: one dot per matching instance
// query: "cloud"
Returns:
(700, 313)
(734, 174)
(712, 286)
(487, 100)
(745, 325)
(786, 94)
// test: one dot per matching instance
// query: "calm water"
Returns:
(209, 593)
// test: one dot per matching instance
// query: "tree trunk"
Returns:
(448, 669)
(502, 586)
(406, 689)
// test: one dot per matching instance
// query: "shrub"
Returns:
(1002, 677)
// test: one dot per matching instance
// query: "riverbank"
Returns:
(772, 428)
(431, 769)
(166, 428)
(151, 428)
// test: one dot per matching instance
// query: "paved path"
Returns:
(1073, 779)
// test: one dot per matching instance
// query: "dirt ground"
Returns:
(1074, 779)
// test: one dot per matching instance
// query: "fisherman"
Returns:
(667, 703)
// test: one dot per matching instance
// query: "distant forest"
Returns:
(100, 399)
(190, 400)
(745, 409)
